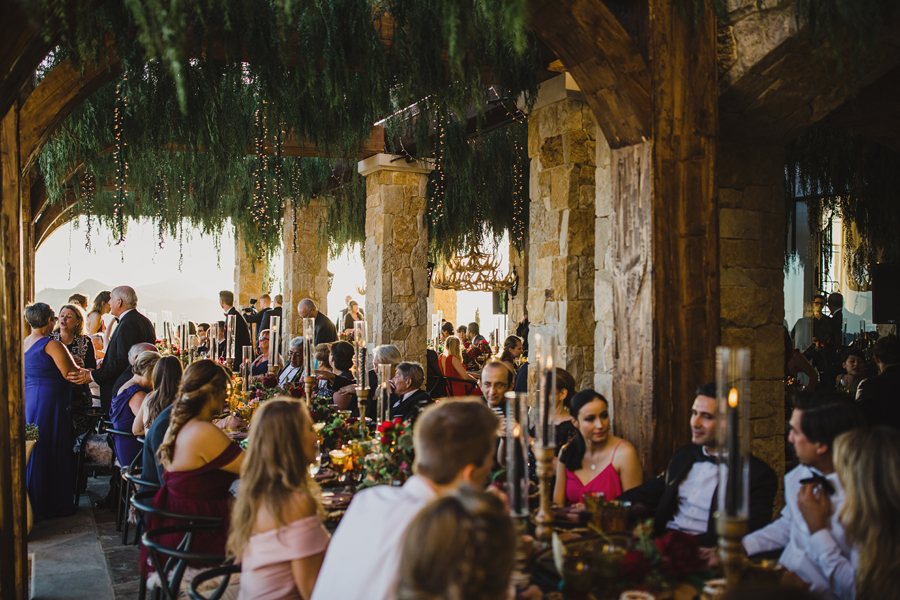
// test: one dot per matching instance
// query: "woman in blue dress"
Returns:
(127, 403)
(48, 404)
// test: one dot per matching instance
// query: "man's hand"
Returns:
(815, 506)
(79, 377)
(323, 374)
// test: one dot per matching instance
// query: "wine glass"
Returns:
(316, 465)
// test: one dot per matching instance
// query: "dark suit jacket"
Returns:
(133, 328)
(409, 408)
(325, 331)
(298, 376)
(266, 322)
(435, 382)
(661, 494)
(879, 397)
(241, 338)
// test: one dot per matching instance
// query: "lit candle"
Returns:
(360, 338)
(384, 392)
(517, 453)
(733, 488)
(733, 366)
(274, 340)
(230, 332)
(247, 360)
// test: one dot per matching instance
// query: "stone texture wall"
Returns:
(516, 309)
(249, 275)
(751, 247)
(561, 145)
(396, 260)
(604, 333)
(445, 301)
(305, 265)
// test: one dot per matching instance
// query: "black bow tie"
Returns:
(707, 458)
(820, 480)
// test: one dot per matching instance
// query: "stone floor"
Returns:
(82, 556)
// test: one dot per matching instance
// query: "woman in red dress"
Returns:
(452, 366)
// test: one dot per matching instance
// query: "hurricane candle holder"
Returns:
(384, 393)
(230, 333)
(212, 342)
(309, 379)
(192, 341)
(733, 423)
(246, 361)
(545, 431)
(183, 339)
(274, 342)
(517, 475)
(361, 340)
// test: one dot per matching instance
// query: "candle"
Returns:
(274, 339)
(247, 359)
(384, 392)
(733, 488)
(212, 341)
(360, 340)
(230, 333)
(733, 376)
(184, 335)
(549, 403)
(517, 453)
(309, 328)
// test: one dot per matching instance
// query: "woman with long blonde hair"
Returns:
(451, 362)
(868, 463)
(275, 526)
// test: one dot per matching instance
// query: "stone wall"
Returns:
(561, 145)
(249, 275)
(396, 255)
(445, 301)
(516, 308)
(305, 265)
(605, 332)
(751, 248)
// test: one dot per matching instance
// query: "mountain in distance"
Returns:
(175, 295)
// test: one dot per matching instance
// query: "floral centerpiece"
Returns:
(392, 454)
(338, 430)
(346, 336)
(663, 563)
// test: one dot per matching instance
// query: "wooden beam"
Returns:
(22, 48)
(605, 62)
(55, 216)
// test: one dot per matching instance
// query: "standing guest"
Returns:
(127, 405)
(263, 306)
(133, 328)
(854, 362)
(166, 391)
(275, 311)
(818, 326)
(407, 381)
(594, 461)
(451, 364)
(462, 545)
(684, 497)
(522, 331)
(166, 379)
(512, 350)
(817, 419)
(795, 363)
(200, 461)
(48, 405)
(879, 397)
(325, 333)
(477, 352)
(566, 425)
(454, 445)
(836, 309)
(79, 299)
(71, 334)
(353, 314)
(275, 526)
(241, 331)
(341, 320)
(293, 371)
(341, 360)
(95, 322)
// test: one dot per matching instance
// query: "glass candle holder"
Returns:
(517, 453)
(733, 424)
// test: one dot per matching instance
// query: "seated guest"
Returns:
(594, 461)
(322, 360)
(200, 461)
(166, 379)
(817, 419)
(341, 360)
(126, 405)
(476, 353)
(407, 381)
(446, 330)
(566, 425)
(202, 338)
(462, 334)
(293, 371)
(854, 362)
(260, 365)
(221, 342)
(434, 383)
(451, 365)
(462, 545)
(867, 463)
(496, 380)
(684, 496)
(275, 526)
(132, 355)
(382, 355)
(454, 445)
(512, 350)
(879, 397)
(352, 315)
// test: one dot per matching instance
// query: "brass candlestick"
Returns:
(308, 383)
(731, 531)
(543, 519)
(362, 396)
(520, 578)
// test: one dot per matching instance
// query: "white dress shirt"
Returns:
(364, 553)
(695, 496)
(824, 560)
(405, 396)
(287, 374)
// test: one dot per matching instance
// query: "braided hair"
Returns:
(572, 454)
(202, 380)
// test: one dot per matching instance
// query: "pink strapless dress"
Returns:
(607, 482)
(266, 562)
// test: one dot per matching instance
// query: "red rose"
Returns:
(385, 440)
(270, 380)
(297, 393)
(635, 566)
(680, 553)
(386, 426)
(398, 421)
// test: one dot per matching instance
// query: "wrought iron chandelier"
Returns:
(474, 271)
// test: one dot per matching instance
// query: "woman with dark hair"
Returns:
(512, 350)
(595, 461)
(341, 359)
(48, 398)
(166, 381)
(854, 362)
(95, 316)
(71, 334)
(566, 429)
(352, 315)
(126, 405)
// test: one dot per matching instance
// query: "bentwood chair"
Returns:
(469, 384)
(224, 572)
(95, 415)
(122, 501)
(131, 480)
(170, 563)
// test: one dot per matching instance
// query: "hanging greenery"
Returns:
(843, 174)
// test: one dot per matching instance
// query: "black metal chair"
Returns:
(470, 385)
(96, 415)
(132, 480)
(122, 502)
(224, 572)
(171, 572)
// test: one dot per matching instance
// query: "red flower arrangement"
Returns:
(270, 380)
(664, 562)
(392, 456)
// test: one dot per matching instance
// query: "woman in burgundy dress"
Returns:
(594, 461)
(200, 461)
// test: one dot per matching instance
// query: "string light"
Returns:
(87, 202)
(121, 163)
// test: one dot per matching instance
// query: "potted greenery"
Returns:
(31, 438)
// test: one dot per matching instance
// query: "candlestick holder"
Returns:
(731, 531)
(308, 383)
(362, 396)
(520, 578)
(543, 519)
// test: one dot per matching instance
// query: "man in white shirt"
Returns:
(819, 555)
(454, 443)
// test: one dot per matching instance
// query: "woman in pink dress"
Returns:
(275, 526)
(594, 461)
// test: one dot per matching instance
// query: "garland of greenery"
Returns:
(846, 175)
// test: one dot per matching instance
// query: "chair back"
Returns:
(224, 572)
(171, 572)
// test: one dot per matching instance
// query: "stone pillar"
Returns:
(561, 138)
(518, 261)
(604, 332)
(751, 251)
(249, 274)
(305, 263)
(445, 301)
(396, 254)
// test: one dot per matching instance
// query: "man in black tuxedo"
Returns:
(325, 332)
(407, 381)
(275, 311)
(685, 496)
(131, 328)
(879, 397)
(242, 332)
(263, 306)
